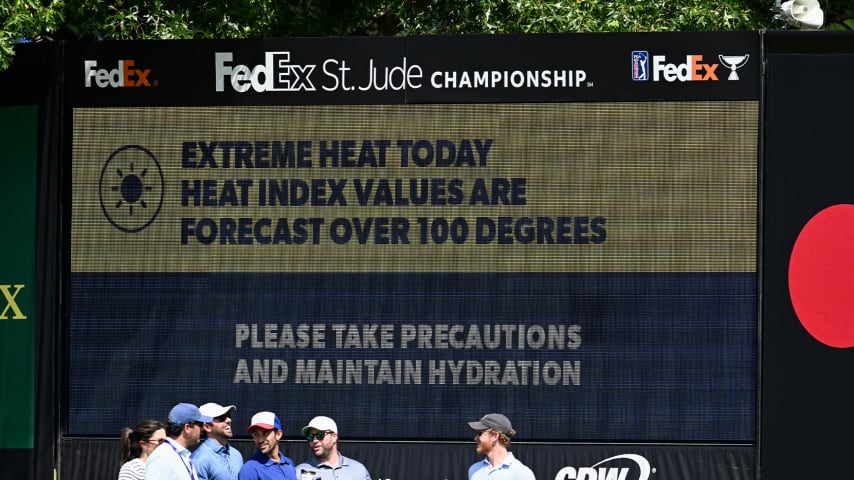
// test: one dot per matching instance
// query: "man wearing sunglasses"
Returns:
(215, 459)
(171, 460)
(327, 463)
(493, 437)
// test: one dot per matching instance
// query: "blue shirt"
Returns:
(213, 461)
(261, 467)
(510, 469)
(346, 469)
(169, 461)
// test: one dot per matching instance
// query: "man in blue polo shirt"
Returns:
(493, 438)
(268, 463)
(215, 459)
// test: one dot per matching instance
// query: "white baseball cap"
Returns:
(321, 424)
(214, 410)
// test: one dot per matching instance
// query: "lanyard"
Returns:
(181, 457)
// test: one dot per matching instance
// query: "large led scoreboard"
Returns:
(407, 233)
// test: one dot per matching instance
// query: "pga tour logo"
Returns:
(640, 65)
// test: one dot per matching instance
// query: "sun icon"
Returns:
(131, 188)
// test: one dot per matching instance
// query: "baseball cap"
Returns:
(214, 410)
(265, 420)
(184, 413)
(495, 421)
(321, 424)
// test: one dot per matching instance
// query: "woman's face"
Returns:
(156, 439)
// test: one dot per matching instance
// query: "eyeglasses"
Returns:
(318, 435)
(196, 424)
(222, 418)
(488, 430)
(156, 441)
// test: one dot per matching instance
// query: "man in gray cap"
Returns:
(493, 437)
(171, 460)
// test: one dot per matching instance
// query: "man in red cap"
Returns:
(493, 437)
(267, 463)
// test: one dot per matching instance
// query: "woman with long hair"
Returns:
(136, 444)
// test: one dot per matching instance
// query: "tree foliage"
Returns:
(26, 20)
(47, 20)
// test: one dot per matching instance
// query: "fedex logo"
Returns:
(124, 75)
(693, 70)
(276, 74)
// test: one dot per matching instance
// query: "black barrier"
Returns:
(806, 358)
(31, 137)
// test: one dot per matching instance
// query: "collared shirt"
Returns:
(261, 467)
(509, 469)
(169, 461)
(214, 461)
(346, 469)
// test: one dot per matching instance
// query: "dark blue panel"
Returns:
(667, 357)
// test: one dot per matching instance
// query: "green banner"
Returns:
(18, 135)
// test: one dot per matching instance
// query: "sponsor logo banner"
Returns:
(506, 68)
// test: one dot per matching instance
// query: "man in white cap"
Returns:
(326, 463)
(493, 437)
(215, 459)
(268, 463)
(171, 460)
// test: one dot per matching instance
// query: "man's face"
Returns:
(193, 433)
(220, 428)
(485, 439)
(322, 444)
(267, 441)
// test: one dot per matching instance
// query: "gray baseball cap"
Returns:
(495, 421)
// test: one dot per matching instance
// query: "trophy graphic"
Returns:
(734, 62)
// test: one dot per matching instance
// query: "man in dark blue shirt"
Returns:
(267, 463)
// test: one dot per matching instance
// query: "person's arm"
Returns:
(202, 472)
(528, 474)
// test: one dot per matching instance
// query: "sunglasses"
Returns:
(318, 435)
